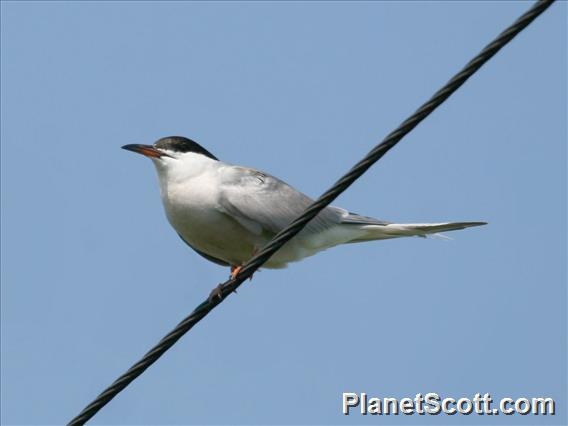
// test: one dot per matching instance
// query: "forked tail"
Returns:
(395, 230)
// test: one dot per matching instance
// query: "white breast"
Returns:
(190, 191)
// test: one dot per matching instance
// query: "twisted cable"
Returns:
(226, 288)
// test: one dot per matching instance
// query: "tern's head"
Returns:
(170, 151)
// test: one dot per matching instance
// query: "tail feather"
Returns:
(396, 230)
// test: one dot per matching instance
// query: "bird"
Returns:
(226, 212)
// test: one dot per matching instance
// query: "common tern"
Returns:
(227, 212)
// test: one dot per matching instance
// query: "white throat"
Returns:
(181, 169)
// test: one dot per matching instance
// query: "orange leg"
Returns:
(235, 271)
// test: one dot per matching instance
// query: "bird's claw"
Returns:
(235, 271)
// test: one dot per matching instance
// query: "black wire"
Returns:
(286, 234)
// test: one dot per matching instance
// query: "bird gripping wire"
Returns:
(296, 226)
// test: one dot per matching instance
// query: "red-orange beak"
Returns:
(147, 150)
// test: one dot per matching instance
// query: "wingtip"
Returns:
(470, 224)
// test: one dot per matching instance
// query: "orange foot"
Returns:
(235, 271)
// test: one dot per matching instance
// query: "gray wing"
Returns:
(357, 219)
(264, 204)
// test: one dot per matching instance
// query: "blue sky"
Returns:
(93, 276)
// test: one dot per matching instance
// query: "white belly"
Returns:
(213, 233)
(221, 237)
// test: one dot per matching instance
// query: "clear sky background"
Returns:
(93, 275)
